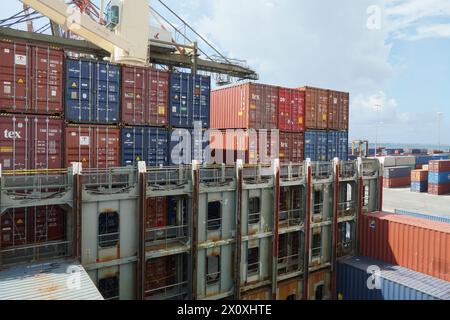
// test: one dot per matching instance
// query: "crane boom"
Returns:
(128, 43)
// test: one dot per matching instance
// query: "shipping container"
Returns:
(253, 146)
(316, 145)
(291, 110)
(423, 159)
(245, 106)
(400, 182)
(338, 110)
(417, 244)
(186, 145)
(290, 290)
(419, 175)
(144, 144)
(439, 166)
(145, 96)
(92, 92)
(157, 213)
(263, 294)
(442, 156)
(291, 147)
(34, 225)
(189, 101)
(423, 216)
(397, 172)
(31, 79)
(360, 278)
(160, 273)
(319, 285)
(31, 142)
(438, 189)
(419, 186)
(316, 108)
(439, 177)
(96, 147)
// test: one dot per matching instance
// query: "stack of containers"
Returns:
(439, 177)
(92, 134)
(422, 160)
(419, 180)
(397, 177)
(145, 105)
(327, 122)
(189, 108)
(243, 117)
(31, 105)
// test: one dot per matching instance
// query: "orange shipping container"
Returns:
(245, 106)
(316, 107)
(417, 244)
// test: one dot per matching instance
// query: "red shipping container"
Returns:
(291, 110)
(438, 189)
(160, 273)
(338, 110)
(291, 147)
(344, 114)
(397, 182)
(245, 106)
(145, 96)
(31, 142)
(417, 244)
(439, 166)
(419, 175)
(96, 147)
(27, 226)
(316, 107)
(157, 212)
(31, 79)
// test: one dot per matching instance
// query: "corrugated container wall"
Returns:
(31, 142)
(31, 79)
(291, 147)
(96, 147)
(189, 102)
(316, 145)
(92, 92)
(145, 96)
(291, 110)
(157, 213)
(391, 282)
(144, 144)
(245, 106)
(417, 244)
(186, 145)
(316, 108)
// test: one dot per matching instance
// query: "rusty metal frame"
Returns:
(238, 245)
(194, 230)
(335, 228)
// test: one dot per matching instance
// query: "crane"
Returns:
(125, 35)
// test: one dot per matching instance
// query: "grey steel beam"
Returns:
(238, 245)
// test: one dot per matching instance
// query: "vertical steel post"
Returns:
(276, 215)
(380, 185)
(336, 200)
(309, 186)
(194, 230)
(140, 268)
(77, 209)
(360, 203)
(238, 247)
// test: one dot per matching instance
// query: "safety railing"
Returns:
(108, 240)
(253, 269)
(217, 175)
(289, 264)
(165, 237)
(35, 252)
(345, 248)
(322, 170)
(110, 180)
(254, 174)
(292, 172)
(213, 278)
(291, 218)
(168, 176)
(370, 168)
(177, 291)
(348, 169)
(347, 208)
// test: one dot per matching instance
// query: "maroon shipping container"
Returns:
(439, 166)
(292, 147)
(316, 108)
(31, 142)
(417, 244)
(157, 211)
(145, 96)
(251, 146)
(31, 79)
(338, 110)
(96, 147)
(27, 226)
(160, 273)
(438, 189)
(344, 114)
(397, 182)
(291, 110)
(419, 175)
(245, 106)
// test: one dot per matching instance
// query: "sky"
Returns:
(391, 55)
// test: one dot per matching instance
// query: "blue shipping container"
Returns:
(439, 177)
(186, 146)
(144, 144)
(332, 145)
(343, 145)
(190, 97)
(367, 279)
(422, 216)
(423, 160)
(310, 145)
(397, 172)
(419, 186)
(92, 92)
(443, 156)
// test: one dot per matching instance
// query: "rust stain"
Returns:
(49, 289)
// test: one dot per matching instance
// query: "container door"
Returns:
(156, 145)
(15, 65)
(200, 99)
(134, 95)
(47, 143)
(133, 145)
(107, 93)
(158, 98)
(79, 145)
(80, 98)
(106, 152)
(181, 111)
(15, 143)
